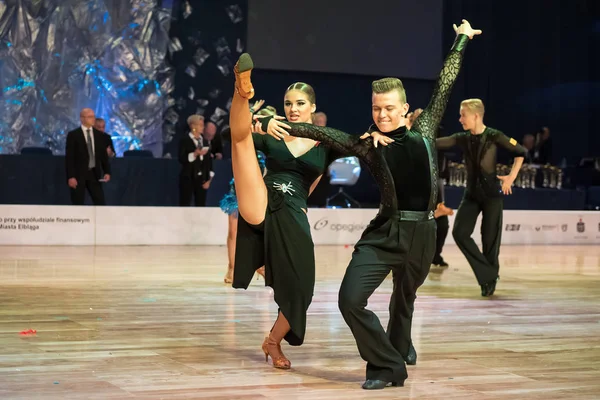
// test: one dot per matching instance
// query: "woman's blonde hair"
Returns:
(305, 88)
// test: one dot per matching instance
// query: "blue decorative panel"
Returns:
(59, 56)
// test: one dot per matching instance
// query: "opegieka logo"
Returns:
(323, 223)
(320, 224)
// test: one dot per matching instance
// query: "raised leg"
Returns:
(249, 185)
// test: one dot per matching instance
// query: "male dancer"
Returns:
(403, 242)
(483, 193)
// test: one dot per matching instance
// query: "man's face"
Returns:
(100, 125)
(210, 130)
(388, 111)
(320, 120)
(87, 117)
(467, 119)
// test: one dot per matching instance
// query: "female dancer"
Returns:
(273, 229)
(229, 206)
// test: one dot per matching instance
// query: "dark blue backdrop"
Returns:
(535, 65)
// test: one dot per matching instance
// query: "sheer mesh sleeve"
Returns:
(340, 142)
(427, 123)
(510, 144)
(345, 145)
(445, 143)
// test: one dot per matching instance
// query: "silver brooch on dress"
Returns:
(285, 188)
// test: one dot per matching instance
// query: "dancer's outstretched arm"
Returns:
(341, 142)
(428, 122)
(345, 145)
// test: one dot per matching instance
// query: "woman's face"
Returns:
(298, 107)
(197, 127)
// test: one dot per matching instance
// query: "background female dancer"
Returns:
(273, 229)
(229, 205)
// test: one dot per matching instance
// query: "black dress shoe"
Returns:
(488, 289)
(411, 358)
(376, 384)
(439, 262)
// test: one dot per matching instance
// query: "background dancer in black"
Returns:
(404, 242)
(441, 212)
(484, 192)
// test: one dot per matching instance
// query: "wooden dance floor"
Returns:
(158, 323)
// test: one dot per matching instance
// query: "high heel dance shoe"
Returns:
(273, 349)
(242, 71)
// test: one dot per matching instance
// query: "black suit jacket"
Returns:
(216, 145)
(109, 142)
(191, 169)
(77, 157)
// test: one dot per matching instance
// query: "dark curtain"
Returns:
(535, 65)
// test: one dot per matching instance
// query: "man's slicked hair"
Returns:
(386, 85)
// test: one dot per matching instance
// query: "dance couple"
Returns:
(273, 228)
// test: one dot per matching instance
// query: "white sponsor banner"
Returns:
(160, 226)
(550, 227)
(46, 225)
(85, 225)
(519, 226)
(339, 226)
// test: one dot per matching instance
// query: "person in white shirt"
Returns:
(86, 161)
(196, 164)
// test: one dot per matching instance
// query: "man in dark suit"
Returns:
(100, 125)
(213, 140)
(86, 159)
(196, 164)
